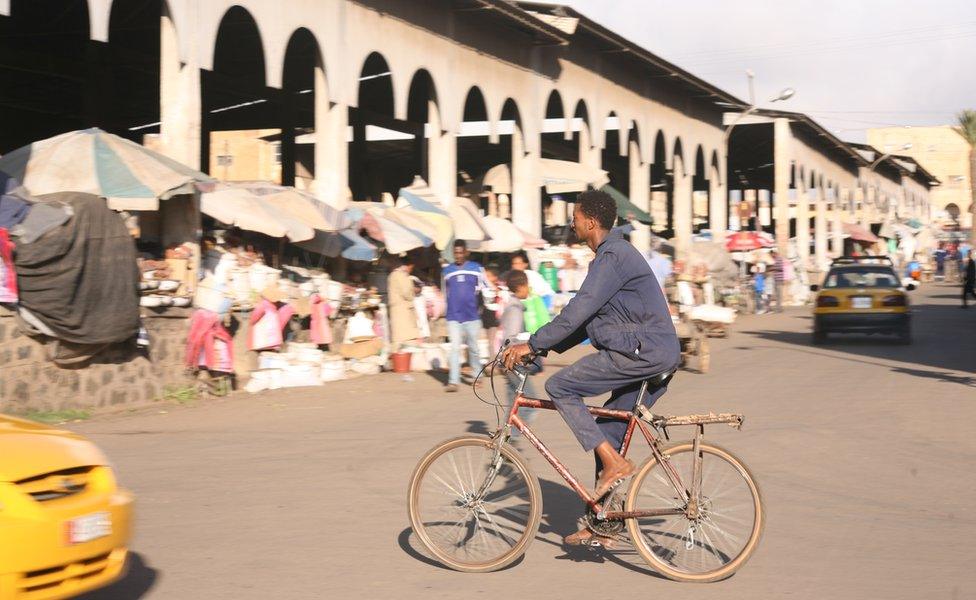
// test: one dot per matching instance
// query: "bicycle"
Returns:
(475, 504)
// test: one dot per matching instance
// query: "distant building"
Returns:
(945, 154)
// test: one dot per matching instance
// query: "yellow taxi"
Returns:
(64, 522)
(862, 295)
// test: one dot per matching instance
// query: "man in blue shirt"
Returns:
(624, 313)
(462, 282)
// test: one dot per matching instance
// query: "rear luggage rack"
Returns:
(659, 421)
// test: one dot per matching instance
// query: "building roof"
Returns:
(572, 23)
(512, 15)
(816, 129)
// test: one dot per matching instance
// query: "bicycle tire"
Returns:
(421, 529)
(648, 553)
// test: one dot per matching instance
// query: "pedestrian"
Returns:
(401, 295)
(659, 262)
(462, 282)
(759, 286)
(969, 281)
(940, 255)
(537, 283)
(491, 305)
(778, 271)
(512, 326)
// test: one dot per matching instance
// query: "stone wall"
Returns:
(121, 374)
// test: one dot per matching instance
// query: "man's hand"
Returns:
(515, 355)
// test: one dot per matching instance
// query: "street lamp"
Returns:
(786, 94)
(906, 146)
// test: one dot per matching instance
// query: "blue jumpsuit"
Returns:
(623, 311)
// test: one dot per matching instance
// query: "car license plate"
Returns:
(861, 302)
(87, 528)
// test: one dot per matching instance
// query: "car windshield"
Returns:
(866, 276)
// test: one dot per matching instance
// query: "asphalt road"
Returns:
(863, 449)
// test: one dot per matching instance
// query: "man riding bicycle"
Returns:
(621, 308)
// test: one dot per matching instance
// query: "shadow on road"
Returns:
(939, 342)
(138, 579)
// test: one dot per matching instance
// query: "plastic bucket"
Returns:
(401, 362)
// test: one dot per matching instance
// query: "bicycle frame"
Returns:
(633, 423)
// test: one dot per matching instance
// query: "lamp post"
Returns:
(878, 161)
(785, 94)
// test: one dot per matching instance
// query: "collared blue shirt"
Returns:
(620, 305)
(461, 285)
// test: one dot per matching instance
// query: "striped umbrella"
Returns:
(127, 175)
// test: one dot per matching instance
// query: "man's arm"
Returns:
(601, 283)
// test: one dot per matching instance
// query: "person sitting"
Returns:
(623, 311)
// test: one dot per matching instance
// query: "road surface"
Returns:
(863, 449)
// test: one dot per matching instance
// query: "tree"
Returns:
(967, 129)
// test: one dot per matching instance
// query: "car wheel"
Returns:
(819, 336)
(905, 335)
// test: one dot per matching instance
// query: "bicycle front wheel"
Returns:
(702, 547)
(469, 516)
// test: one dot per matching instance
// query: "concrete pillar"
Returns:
(682, 210)
(179, 97)
(820, 229)
(441, 157)
(837, 232)
(803, 199)
(781, 182)
(640, 195)
(526, 193)
(718, 207)
(331, 146)
(559, 214)
(588, 153)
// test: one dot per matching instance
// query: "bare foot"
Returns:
(611, 474)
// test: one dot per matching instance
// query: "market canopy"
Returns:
(558, 177)
(92, 161)
(856, 232)
(745, 241)
(346, 243)
(419, 199)
(239, 207)
(468, 222)
(506, 237)
(298, 204)
(388, 225)
(627, 210)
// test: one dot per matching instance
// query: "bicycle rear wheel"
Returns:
(465, 530)
(724, 534)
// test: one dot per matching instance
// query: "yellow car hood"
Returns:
(28, 449)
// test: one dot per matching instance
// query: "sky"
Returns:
(855, 64)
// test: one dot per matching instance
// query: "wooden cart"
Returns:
(695, 351)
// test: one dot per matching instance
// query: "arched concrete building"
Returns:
(315, 64)
(826, 182)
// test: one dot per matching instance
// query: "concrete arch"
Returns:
(604, 129)
(715, 167)
(633, 135)
(376, 76)
(581, 111)
(701, 170)
(555, 108)
(422, 82)
(236, 11)
(678, 156)
(313, 46)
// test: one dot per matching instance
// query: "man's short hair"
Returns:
(600, 206)
(461, 244)
(515, 279)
